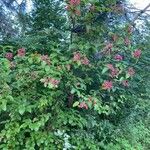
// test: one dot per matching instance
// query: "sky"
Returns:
(140, 3)
(28, 4)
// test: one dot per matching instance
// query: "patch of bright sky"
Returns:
(140, 3)
(29, 4)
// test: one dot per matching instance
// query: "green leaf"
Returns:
(43, 64)
(121, 79)
(4, 105)
(73, 90)
(127, 76)
(21, 110)
(105, 70)
(30, 60)
(76, 104)
(73, 47)
(47, 68)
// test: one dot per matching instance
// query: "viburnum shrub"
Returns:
(45, 94)
(67, 99)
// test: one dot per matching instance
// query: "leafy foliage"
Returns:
(77, 91)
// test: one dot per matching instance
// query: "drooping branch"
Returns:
(139, 14)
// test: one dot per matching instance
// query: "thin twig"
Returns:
(139, 14)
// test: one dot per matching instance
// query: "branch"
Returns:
(139, 14)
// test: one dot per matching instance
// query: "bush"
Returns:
(68, 100)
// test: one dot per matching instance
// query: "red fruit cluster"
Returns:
(74, 2)
(114, 71)
(110, 66)
(77, 57)
(83, 105)
(21, 52)
(118, 57)
(137, 53)
(127, 41)
(49, 80)
(125, 83)
(85, 61)
(107, 85)
(72, 6)
(91, 100)
(131, 71)
(9, 55)
(46, 59)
